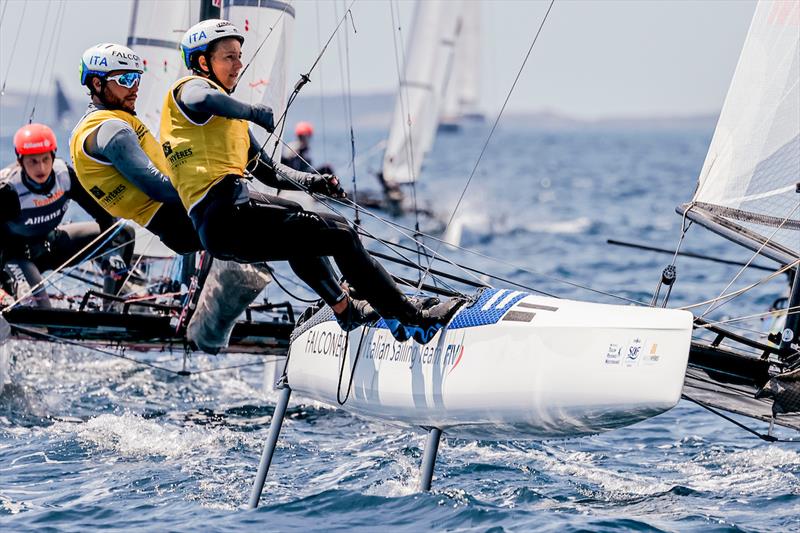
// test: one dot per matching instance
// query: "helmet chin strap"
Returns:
(210, 74)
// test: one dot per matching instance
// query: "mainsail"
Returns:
(428, 65)
(748, 187)
(155, 34)
(463, 90)
(267, 27)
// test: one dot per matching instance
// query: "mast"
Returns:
(210, 9)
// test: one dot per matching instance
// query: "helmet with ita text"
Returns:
(198, 37)
(304, 129)
(103, 58)
(33, 139)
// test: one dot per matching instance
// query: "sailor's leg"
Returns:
(23, 275)
(114, 252)
(269, 446)
(306, 234)
(175, 229)
(318, 273)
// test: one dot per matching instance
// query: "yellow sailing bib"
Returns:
(200, 154)
(110, 189)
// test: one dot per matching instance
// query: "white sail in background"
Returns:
(269, 22)
(428, 64)
(462, 99)
(750, 175)
(155, 33)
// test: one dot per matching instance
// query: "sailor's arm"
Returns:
(82, 198)
(280, 176)
(199, 97)
(115, 141)
(9, 202)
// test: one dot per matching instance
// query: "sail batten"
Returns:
(753, 163)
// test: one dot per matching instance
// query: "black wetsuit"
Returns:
(236, 223)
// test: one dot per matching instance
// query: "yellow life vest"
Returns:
(107, 185)
(200, 155)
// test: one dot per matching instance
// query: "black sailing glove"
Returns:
(326, 184)
(9, 203)
(261, 115)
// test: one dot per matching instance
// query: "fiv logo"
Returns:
(195, 37)
(99, 61)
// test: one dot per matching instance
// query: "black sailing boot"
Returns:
(358, 313)
(429, 317)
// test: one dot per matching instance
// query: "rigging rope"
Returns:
(33, 333)
(305, 78)
(402, 90)
(738, 292)
(768, 438)
(350, 116)
(406, 232)
(494, 127)
(38, 54)
(752, 258)
(321, 87)
(775, 312)
(114, 227)
(58, 29)
(13, 47)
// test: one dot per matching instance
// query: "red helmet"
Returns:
(34, 139)
(304, 129)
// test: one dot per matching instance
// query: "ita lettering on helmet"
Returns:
(103, 58)
(198, 37)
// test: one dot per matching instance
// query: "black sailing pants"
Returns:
(268, 228)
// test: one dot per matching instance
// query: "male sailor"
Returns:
(34, 197)
(117, 158)
(208, 129)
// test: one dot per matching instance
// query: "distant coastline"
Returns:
(373, 111)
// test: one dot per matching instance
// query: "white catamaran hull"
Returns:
(512, 365)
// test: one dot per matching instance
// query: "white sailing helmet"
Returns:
(198, 37)
(103, 58)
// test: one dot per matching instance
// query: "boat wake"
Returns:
(475, 228)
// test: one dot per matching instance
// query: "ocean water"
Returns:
(88, 441)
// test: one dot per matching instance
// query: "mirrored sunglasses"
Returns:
(127, 79)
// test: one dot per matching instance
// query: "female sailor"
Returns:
(209, 147)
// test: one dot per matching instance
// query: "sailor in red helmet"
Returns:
(34, 197)
(297, 154)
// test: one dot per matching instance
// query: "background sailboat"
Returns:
(421, 90)
(462, 99)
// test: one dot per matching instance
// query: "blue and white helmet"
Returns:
(198, 37)
(103, 58)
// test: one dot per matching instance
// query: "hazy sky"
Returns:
(594, 58)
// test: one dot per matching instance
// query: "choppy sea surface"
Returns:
(89, 441)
